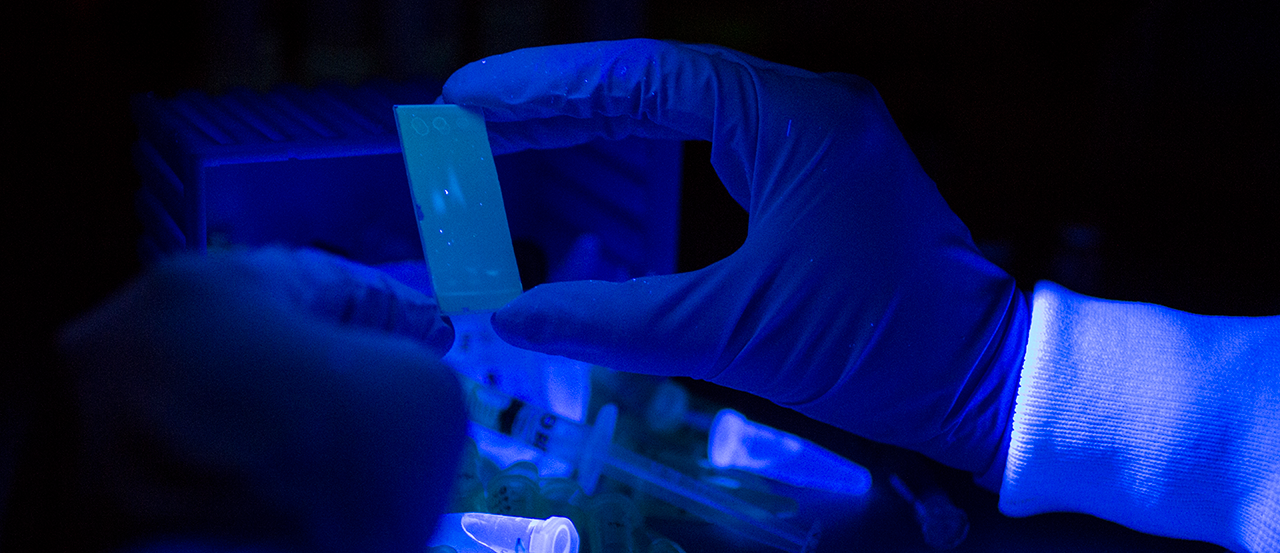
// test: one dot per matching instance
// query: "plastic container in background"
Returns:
(591, 452)
(322, 167)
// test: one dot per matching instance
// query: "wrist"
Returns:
(1161, 420)
(973, 433)
(1004, 358)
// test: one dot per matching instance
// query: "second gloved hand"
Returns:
(265, 398)
(858, 297)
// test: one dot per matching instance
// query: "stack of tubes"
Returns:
(734, 443)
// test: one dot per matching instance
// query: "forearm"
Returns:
(1163, 421)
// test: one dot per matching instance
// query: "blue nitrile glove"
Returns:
(274, 398)
(858, 297)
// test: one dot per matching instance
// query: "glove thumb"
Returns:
(652, 325)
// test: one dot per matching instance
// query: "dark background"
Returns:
(1125, 149)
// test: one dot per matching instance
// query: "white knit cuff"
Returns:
(1160, 420)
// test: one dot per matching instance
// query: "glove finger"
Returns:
(350, 294)
(659, 89)
(653, 325)
(564, 131)
(557, 96)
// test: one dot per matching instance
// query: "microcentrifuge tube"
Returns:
(736, 442)
(490, 533)
(520, 535)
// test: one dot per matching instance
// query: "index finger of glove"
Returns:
(557, 96)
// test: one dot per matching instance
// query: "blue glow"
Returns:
(590, 448)
(487, 533)
(553, 535)
(736, 442)
(561, 384)
(538, 434)
(473, 265)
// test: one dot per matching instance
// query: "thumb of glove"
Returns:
(651, 325)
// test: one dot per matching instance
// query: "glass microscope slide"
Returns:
(458, 205)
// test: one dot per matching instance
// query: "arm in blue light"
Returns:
(1165, 421)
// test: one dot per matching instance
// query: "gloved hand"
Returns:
(858, 297)
(273, 398)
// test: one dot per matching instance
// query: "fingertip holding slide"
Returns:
(591, 321)
(539, 319)
(643, 325)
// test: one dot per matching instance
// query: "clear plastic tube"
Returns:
(488, 533)
(591, 449)
(739, 443)
(707, 502)
(541, 429)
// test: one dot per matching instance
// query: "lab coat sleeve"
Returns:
(1164, 421)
